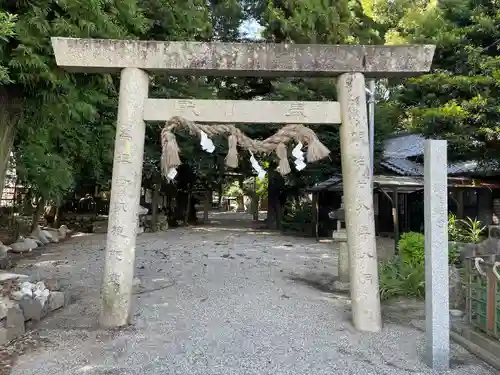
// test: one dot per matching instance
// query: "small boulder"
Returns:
(56, 300)
(37, 241)
(4, 250)
(63, 232)
(53, 233)
(26, 244)
(46, 234)
(52, 284)
(32, 308)
(14, 322)
(38, 235)
(5, 305)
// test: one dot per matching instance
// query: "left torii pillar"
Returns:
(125, 196)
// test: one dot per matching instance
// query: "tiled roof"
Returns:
(400, 148)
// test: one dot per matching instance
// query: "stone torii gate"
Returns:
(349, 63)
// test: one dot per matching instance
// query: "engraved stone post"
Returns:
(358, 203)
(437, 318)
(125, 194)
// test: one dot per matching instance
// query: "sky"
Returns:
(251, 29)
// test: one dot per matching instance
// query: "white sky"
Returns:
(251, 29)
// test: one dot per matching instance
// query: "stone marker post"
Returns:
(437, 318)
(358, 203)
(124, 202)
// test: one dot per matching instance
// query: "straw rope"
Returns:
(277, 142)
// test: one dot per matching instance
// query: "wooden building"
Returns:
(398, 191)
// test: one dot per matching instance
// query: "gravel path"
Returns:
(217, 300)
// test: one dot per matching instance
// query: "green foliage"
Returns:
(297, 217)
(454, 230)
(64, 122)
(404, 275)
(400, 279)
(465, 230)
(411, 248)
(7, 24)
(459, 99)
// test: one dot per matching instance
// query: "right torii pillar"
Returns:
(358, 202)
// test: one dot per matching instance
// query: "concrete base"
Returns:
(477, 343)
(342, 286)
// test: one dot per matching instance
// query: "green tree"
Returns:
(58, 120)
(459, 99)
(311, 21)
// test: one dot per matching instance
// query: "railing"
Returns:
(483, 293)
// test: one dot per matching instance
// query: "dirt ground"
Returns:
(221, 298)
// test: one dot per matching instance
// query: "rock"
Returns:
(26, 244)
(456, 313)
(17, 295)
(5, 305)
(38, 235)
(14, 323)
(136, 285)
(41, 295)
(63, 232)
(47, 234)
(37, 241)
(4, 250)
(54, 234)
(4, 332)
(52, 284)
(32, 308)
(56, 300)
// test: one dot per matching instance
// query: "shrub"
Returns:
(297, 217)
(411, 248)
(398, 279)
(404, 275)
(465, 230)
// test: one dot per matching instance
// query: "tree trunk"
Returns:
(57, 217)
(10, 113)
(188, 208)
(154, 207)
(254, 207)
(274, 206)
(7, 132)
(254, 203)
(219, 203)
(208, 205)
(40, 206)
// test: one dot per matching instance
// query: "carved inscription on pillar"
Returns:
(186, 107)
(296, 110)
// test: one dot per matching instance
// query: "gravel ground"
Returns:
(218, 300)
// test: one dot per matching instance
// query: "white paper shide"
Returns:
(206, 143)
(298, 154)
(261, 173)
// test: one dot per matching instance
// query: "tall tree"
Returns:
(459, 100)
(55, 118)
(310, 21)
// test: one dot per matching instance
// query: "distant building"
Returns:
(474, 190)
